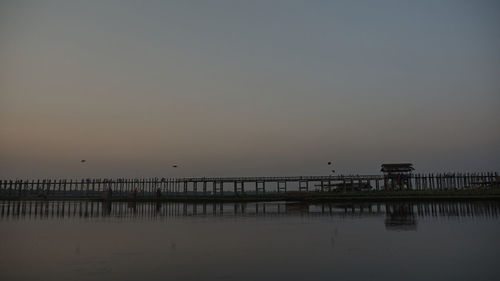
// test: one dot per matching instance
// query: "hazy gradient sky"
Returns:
(247, 87)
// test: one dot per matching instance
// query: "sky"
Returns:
(247, 88)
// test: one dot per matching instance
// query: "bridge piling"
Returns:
(190, 186)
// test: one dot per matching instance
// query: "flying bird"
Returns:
(329, 163)
(83, 161)
(175, 166)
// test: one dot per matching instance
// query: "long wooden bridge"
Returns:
(236, 186)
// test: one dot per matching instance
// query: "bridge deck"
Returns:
(281, 179)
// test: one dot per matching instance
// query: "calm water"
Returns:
(253, 241)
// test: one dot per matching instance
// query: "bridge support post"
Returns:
(258, 189)
(304, 185)
(281, 186)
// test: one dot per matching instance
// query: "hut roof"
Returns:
(397, 167)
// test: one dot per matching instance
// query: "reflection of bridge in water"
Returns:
(398, 215)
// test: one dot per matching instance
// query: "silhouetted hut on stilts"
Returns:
(397, 175)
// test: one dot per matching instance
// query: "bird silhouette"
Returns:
(83, 161)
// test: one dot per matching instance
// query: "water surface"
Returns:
(78, 240)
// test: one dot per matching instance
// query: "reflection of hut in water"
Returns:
(106, 207)
(132, 205)
(400, 217)
(397, 175)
